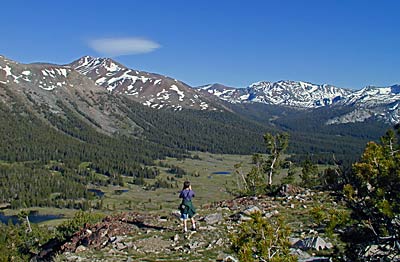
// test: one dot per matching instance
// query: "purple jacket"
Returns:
(186, 195)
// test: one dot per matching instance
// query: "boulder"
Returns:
(299, 253)
(293, 240)
(230, 259)
(251, 210)
(213, 218)
(120, 246)
(271, 214)
(80, 248)
(312, 243)
(243, 218)
(290, 190)
(175, 238)
(176, 214)
(377, 251)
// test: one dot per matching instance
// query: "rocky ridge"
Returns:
(155, 237)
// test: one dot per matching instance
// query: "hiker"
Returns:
(186, 207)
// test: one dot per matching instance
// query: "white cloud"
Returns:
(123, 46)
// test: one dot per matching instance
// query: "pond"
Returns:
(97, 192)
(222, 173)
(34, 217)
(120, 191)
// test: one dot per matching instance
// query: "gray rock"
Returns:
(293, 240)
(112, 239)
(299, 253)
(312, 243)
(194, 245)
(251, 210)
(120, 246)
(80, 248)
(176, 213)
(118, 239)
(179, 248)
(329, 245)
(175, 238)
(219, 242)
(244, 218)
(74, 258)
(213, 218)
(376, 250)
(271, 214)
(230, 259)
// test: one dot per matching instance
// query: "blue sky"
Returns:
(346, 43)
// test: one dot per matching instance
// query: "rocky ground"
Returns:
(153, 237)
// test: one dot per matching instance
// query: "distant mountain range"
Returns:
(113, 99)
(285, 93)
(158, 91)
(371, 102)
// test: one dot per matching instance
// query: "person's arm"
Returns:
(181, 194)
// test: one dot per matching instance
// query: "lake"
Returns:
(34, 217)
(222, 173)
(120, 191)
(97, 192)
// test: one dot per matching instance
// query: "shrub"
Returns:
(69, 227)
(261, 240)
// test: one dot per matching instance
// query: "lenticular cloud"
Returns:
(123, 46)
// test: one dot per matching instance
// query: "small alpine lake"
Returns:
(221, 173)
(34, 217)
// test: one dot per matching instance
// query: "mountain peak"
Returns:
(90, 63)
(150, 89)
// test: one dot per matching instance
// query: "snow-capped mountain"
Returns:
(150, 89)
(46, 76)
(372, 102)
(287, 93)
(55, 89)
(89, 77)
(296, 94)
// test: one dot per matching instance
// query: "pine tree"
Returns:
(374, 194)
(276, 146)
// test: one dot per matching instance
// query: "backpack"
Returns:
(182, 207)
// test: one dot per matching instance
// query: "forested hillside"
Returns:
(311, 136)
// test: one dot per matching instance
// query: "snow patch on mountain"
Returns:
(146, 88)
(179, 92)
